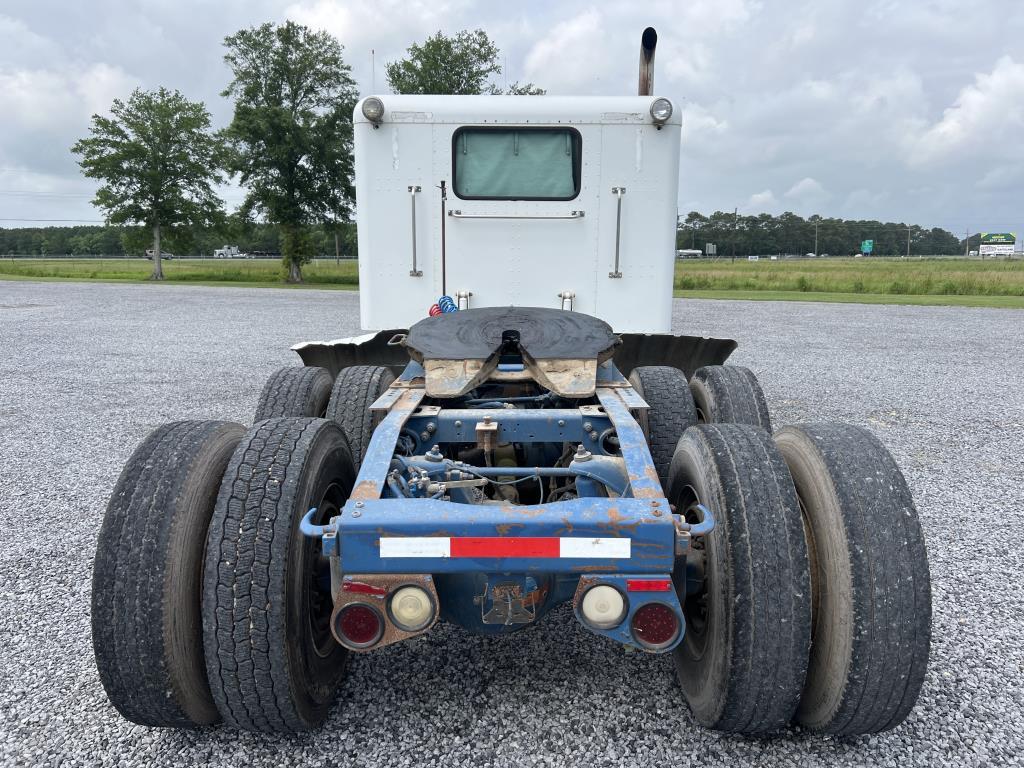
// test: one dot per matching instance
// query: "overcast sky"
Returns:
(901, 110)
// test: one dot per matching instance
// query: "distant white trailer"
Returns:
(526, 201)
(689, 253)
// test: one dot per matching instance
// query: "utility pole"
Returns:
(735, 214)
(815, 238)
(337, 251)
(967, 243)
(908, 242)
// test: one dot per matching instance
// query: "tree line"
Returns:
(124, 241)
(289, 145)
(764, 234)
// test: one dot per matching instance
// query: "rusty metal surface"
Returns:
(386, 583)
(643, 477)
(377, 459)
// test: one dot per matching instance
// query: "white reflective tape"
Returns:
(580, 547)
(419, 546)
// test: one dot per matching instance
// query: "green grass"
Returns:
(1000, 302)
(323, 273)
(878, 277)
(956, 282)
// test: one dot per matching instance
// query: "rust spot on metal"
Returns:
(616, 523)
(367, 490)
(504, 529)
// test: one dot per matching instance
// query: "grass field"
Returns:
(322, 274)
(960, 282)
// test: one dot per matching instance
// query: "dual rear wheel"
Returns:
(207, 602)
(810, 601)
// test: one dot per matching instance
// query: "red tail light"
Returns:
(655, 625)
(648, 585)
(359, 625)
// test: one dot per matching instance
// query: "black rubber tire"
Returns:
(294, 391)
(146, 622)
(355, 390)
(670, 414)
(729, 394)
(743, 658)
(870, 584)
(270, 670)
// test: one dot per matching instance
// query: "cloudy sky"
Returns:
(905, 110)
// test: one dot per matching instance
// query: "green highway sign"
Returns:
(867, 246)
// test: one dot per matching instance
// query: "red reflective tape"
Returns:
(648, 585)
(362, 588)
(502, 546)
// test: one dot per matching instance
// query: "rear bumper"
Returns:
(587, 535)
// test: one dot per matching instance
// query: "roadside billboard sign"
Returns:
(998, 238)
(997, 243)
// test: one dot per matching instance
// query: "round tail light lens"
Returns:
(655, 625)
(411, 608)
(603, 607)
(359, 625)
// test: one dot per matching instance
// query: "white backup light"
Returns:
(661, 110)
(373, 109)
(603, 607)
(411, 608)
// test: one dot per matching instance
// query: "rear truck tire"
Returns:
(670, 414)
(729, 394)
(272, 662)
(743, 657)
(355, 390)
(870, 585)
(294, 391)
(146, 583)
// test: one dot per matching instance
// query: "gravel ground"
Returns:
(87, 370)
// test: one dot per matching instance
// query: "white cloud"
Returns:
(762, 202)
(989, 110)
(806, 188)
(572, 56)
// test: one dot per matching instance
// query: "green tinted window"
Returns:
(517, 163)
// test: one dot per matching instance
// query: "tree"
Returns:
(455, 66)
(158, 161)
(292, 130)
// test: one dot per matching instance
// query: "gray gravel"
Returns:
(87, 370)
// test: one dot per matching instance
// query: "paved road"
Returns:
(87, 370)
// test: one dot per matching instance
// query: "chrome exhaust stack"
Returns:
(648, 42)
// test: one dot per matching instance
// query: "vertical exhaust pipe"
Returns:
(648, 41)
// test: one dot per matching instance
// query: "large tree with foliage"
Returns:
(292, 130)
(460, 65)
(158, 161)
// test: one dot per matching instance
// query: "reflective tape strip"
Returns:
(579, 547)
(419, 546)
(573, 547)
